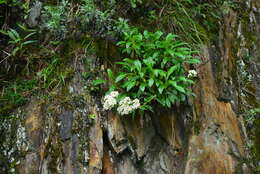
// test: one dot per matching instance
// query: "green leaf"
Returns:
(162, 73)
(120, 77)
(146, 34)
(16, 49)
(170, 37)
(16, 35)
(120, 43)
(130, 85)
(178, 54)
(150, 82)
(29, 42)
(125, 64)
(184, 79)
(179, 88)
(167, 102)
(98, 82)
(112, 88)
(138, 65)
(173, 98)
(12, 36)
(160, 89)
(192, 61)
(178, 44)
(29, 35)
(156, 72)
(142, 87)
(3, 32)
(171, 70)
(161, 101)
(158, 34)
(110, 74)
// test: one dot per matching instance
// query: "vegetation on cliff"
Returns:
(148, 45)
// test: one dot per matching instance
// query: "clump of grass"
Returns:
(15, 94)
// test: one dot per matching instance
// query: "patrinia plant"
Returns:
(154, 69)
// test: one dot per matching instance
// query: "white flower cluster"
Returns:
(110, 100)
(126, 106)
(192, 73)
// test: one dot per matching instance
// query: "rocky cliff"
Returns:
(65, 129)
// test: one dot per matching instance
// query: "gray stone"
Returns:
(66, 125)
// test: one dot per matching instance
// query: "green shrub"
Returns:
(155, 69)
(14, 94)
(135, 2)
(56, 16)
(17, 41)
(52, 76)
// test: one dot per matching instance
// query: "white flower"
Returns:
(114, 94)
(125, 101)
(126, 106)
(109, 103)
(192, 73)
(110, 100)
(136, 103)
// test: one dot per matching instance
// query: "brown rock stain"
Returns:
(108, 167)
(205, 155)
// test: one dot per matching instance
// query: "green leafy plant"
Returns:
(18, 41)
(14, 94)
(92, 116)
(51, 76)
(135, 2)
(56, 17)
(94, 20)
(155, 69)
(250, 115)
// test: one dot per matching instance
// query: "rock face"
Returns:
(70, 134)
(219, 135)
